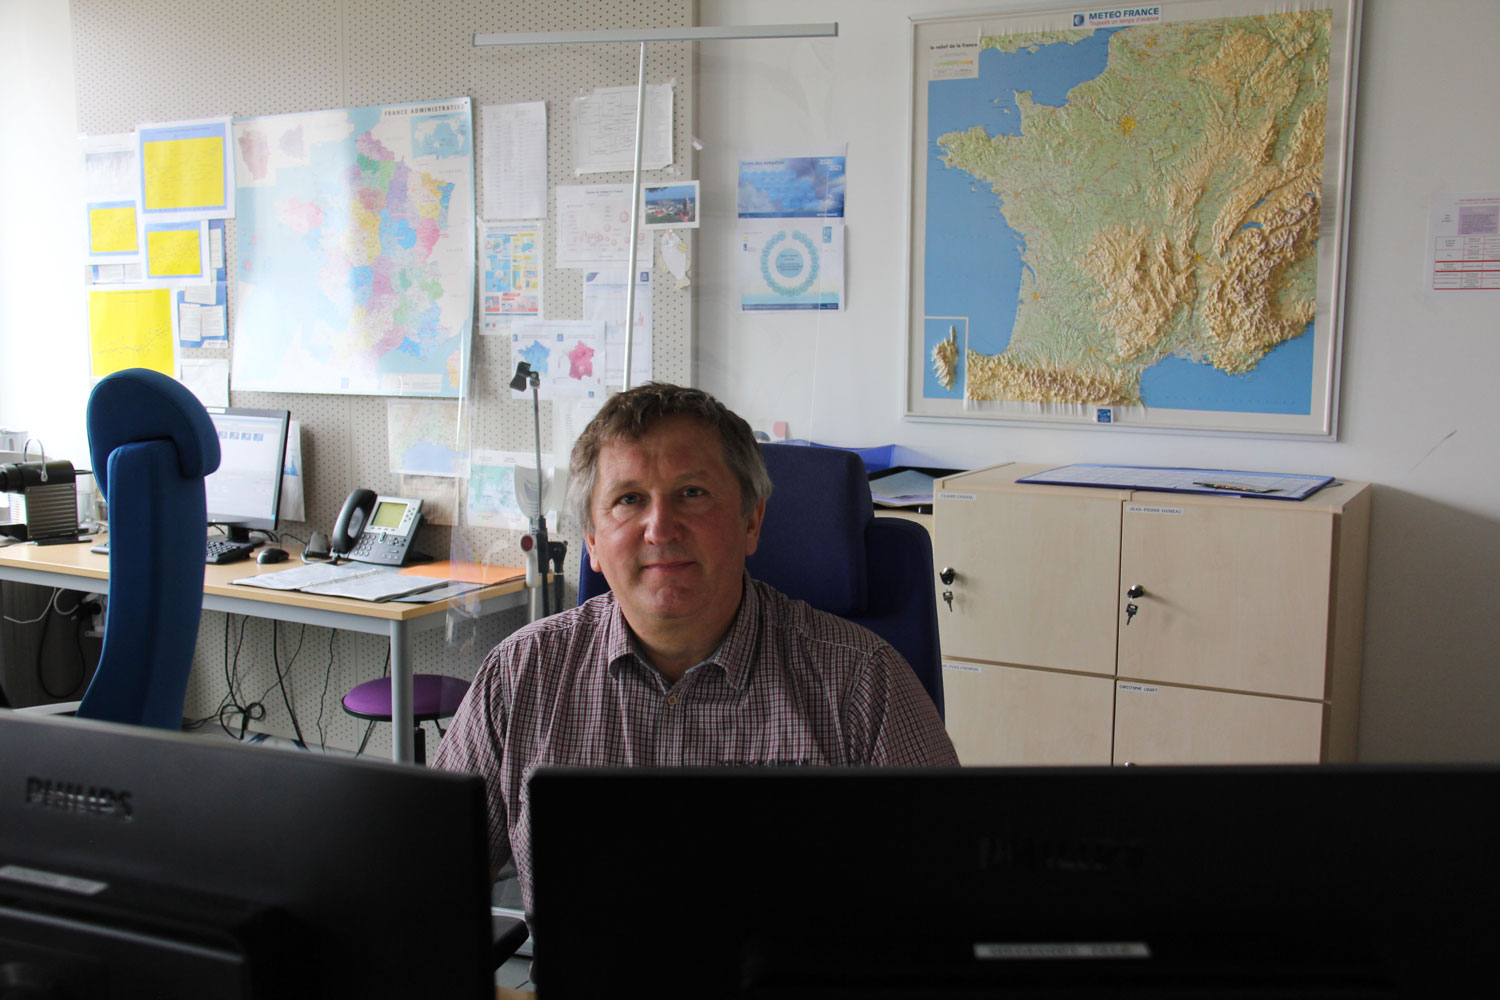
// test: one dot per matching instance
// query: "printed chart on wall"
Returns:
(356, 250)
(1131, 215)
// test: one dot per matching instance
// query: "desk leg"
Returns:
(402, 750)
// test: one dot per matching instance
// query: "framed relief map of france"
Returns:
(1131, 215)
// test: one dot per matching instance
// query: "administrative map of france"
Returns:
(1160, 190)
(356, 258)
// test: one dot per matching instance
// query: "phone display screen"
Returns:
(388, 515)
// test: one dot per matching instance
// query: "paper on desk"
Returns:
(903, 489)
(380, 585)
(310, 575)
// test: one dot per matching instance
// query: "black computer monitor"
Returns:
(138, 863)
(1141, 882)
(245, 492)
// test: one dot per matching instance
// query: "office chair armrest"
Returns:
(508, 934)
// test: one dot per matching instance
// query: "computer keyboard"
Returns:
(222, 550)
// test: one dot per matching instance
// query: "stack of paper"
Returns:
(907, 488)
(350, 579)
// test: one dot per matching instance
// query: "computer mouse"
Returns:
(271, 554)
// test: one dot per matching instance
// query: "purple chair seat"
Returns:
(434, 696)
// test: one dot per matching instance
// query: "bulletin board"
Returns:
(153, 60)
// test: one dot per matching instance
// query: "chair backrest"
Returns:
(151, 444)
(822, 543)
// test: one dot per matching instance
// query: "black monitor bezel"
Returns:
(380, 871)
(238, 526)
(867, 882)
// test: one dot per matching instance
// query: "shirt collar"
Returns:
(734, 655)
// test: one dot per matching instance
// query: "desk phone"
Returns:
(376, 529)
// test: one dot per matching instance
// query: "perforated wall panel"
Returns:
(154, 60)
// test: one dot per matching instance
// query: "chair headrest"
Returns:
(812, 545)
(139, 404)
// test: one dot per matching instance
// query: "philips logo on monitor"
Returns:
(68, 796)
(1117, 17)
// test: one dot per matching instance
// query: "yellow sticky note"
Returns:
(184, 173)
(130, 328)
(173, 253)
(112, 230)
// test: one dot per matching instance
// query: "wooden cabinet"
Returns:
(1244, 644)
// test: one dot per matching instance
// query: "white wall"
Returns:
(43, 356)
(1418, 413)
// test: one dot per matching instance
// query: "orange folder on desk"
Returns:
(466, 572)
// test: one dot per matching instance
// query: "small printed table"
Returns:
(72, 566)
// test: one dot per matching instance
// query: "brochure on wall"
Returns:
(791, 264)
(208, 378)
(593, 226)
(427, 437)
(177, 252)
(806, 185)
(186, 170)
(502, 488)
(131, 327)
(1463, 245)
(110, 193)
(515, 160)
(510, 265)
(604, 129)
(203, 308)
(604, 299)
(568, 355)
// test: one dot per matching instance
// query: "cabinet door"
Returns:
(1160, 724)
(1036, 578)
(1236, 594)
(1013, 715)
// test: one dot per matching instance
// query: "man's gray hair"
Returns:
(631, 414)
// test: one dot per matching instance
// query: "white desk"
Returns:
(74, 567)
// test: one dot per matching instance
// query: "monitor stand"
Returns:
(237, 533)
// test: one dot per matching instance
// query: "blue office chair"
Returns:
(151, 444)
(822, 543)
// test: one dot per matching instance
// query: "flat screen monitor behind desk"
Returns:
(1203, 882)
(245, 492)
(138, 863)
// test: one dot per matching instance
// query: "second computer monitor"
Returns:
(245, 492)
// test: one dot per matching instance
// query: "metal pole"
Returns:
(635, 215)
(539, 531)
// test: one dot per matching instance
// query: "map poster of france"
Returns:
(1131, 215)
(356, 248)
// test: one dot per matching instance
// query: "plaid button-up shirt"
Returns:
(788, 685)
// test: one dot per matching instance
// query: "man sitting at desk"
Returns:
(687, 661)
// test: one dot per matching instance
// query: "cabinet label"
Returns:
(949, 495)
(1142, 688)
(1150, 508)
(968, 668)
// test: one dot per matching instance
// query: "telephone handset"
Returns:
(376, 529)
